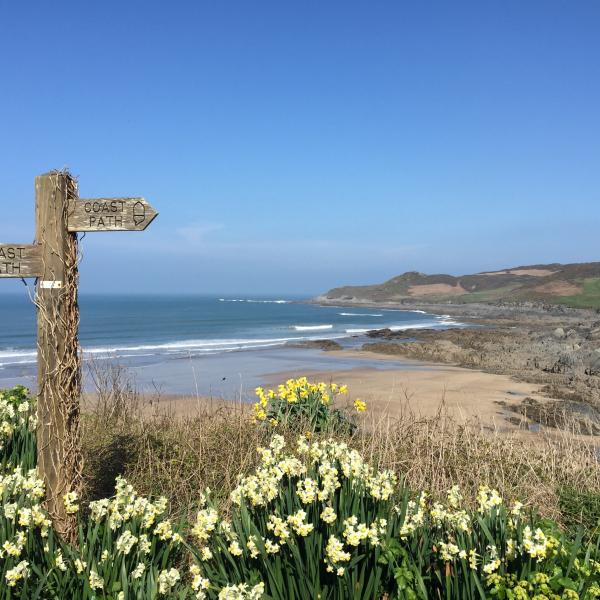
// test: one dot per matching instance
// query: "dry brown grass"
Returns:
(160, 453)
(438, 452)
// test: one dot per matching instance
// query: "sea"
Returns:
(221, 346)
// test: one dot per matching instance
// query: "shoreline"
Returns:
(474, 311)
(422, 389)
(523, 363)
(553, 347)
(514, 363)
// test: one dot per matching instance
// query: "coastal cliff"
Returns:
(576, 285)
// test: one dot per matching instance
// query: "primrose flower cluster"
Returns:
(306, 406)
(488, 547)
(130, 533)
(126, 546)
(455, 530)
(125, 534)
(318, 470)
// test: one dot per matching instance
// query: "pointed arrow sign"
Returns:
(110, 214)
(20, 260)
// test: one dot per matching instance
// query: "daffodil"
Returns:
(360, 406)
(70, 501)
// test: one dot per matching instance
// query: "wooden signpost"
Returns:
(53, 261)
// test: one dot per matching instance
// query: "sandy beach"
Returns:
(503, 365)
(465, 393)
(505, 373)
(423, 390)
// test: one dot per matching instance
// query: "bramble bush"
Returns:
(311, 521)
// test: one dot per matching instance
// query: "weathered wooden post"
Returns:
(59, 215)
(59, 361)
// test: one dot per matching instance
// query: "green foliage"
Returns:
(114, 538)
(580, 509)
(302, 406)
(315, 521)
(494, 551)
(310, 524)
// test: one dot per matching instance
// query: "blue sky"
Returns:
(294, 146)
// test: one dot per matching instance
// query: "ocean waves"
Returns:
(181, 348)
(440, 322)
(177, 328)
(185, 348)
(17, 357)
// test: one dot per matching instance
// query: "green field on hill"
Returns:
(590, 298)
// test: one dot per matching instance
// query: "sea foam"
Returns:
(182, 348)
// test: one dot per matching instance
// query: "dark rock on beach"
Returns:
(388, 334)
(555, 347)
(326, 345)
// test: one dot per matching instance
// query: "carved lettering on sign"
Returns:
(20, 260)
(110, 214)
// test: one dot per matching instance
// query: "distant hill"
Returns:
(576, 285)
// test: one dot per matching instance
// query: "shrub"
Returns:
(303, 406)
(123, 550)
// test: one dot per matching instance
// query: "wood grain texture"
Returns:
(110, 214)
(20, 260)
(59, 366)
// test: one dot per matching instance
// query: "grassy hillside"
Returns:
(576, 285)
(590, 297)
